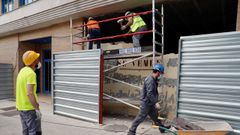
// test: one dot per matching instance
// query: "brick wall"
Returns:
(9, 54)
(60, 42)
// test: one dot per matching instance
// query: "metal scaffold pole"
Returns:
(162, 20)
(154, 30)
(71, 33)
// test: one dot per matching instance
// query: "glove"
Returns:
(88, 35)
(38, 114)
(120, 21)
(123, 27)
(157, 106)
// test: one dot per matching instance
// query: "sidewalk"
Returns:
(59, 125)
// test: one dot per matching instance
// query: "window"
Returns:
(25, 2)
(7, 5)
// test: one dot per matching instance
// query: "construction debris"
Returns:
(116, 128)
(183, 124)
(184, 127)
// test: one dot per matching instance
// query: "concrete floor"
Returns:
(60, 125)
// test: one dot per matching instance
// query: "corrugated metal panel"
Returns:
(6, 81)
(56, 13)
(209, 78)
(76, 84)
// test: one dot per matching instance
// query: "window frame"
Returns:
(25, 2)
(6, 10)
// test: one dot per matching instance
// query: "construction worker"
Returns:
(26, 97)
(93, 32)
(136, 24)
(149, 98)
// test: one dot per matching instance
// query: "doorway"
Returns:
(47, 71)
(42, 46)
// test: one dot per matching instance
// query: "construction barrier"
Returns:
(77, 84)
(209, 75)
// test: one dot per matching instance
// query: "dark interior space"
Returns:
(194, 17)
(45, 40)
(181, 18)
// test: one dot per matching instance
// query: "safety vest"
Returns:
(26, 76)
(92, 24)
(137, 23)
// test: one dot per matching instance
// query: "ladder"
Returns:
(156, 33)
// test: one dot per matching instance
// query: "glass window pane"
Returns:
(10, 5)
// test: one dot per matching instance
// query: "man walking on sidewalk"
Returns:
(149, 97)
(26, 97)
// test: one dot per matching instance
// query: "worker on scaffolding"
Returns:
(93, 32)
(136, 24)
(149, 98)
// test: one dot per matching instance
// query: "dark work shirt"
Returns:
(149, 93)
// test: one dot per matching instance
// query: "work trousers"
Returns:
(145, 110)
(136, 38)
(94, 33)
(30, 126)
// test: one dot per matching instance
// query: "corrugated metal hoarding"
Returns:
(209, 78)
(6, 81)
(77, 84)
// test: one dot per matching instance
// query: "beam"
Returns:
(123, 82)
(128, 62)
(124, 102)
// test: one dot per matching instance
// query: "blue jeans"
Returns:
(30, 126)
(145, 110)
(94, 33)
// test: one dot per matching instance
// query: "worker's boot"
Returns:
(131, 132)
(38, 133)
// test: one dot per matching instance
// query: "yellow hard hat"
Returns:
(29, 57)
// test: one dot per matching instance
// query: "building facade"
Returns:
(44, 26)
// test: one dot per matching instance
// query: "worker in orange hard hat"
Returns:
(26, 97)
(93, 32)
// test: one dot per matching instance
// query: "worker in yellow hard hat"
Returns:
(26, 96)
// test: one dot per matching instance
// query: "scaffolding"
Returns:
(157, 40)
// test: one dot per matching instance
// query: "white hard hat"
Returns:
(90, 18)
(127, 13)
